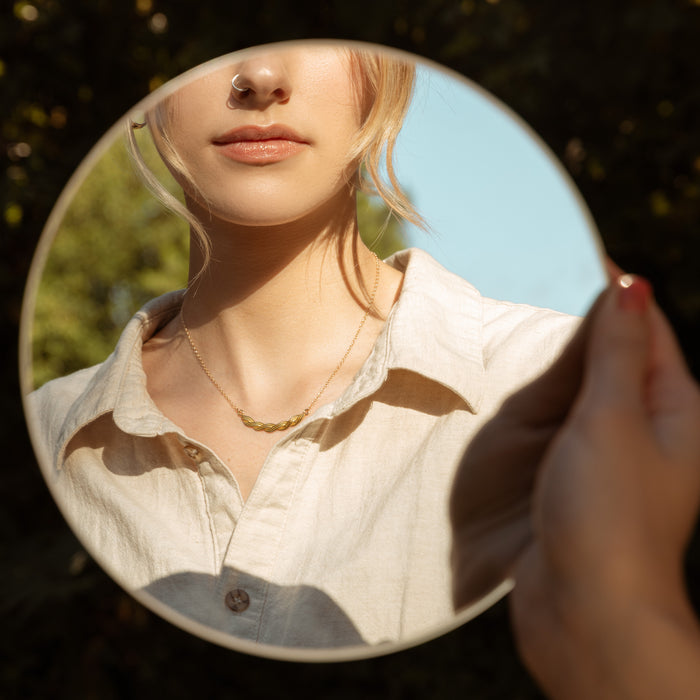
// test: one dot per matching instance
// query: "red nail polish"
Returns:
(633, 293)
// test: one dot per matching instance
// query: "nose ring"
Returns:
(235, 87)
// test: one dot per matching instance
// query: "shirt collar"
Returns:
(118, 385)
(434, 329)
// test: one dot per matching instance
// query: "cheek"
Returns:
(189, 161)
(331, 99)
(339, 125)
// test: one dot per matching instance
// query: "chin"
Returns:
(277, 210)
(258, 204)
(263, 216)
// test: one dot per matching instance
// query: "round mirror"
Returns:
(313, 523)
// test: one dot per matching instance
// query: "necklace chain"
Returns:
(250, 422)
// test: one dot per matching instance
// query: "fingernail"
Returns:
(633, 293)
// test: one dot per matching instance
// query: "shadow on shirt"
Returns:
(288, 616)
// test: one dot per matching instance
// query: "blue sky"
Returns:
(502, 212)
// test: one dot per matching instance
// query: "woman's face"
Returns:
(278, 149)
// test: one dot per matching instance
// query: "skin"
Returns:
(285, 290)
(307, 89)
(605, 496)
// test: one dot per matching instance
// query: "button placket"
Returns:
(222, 499)
(260, 530)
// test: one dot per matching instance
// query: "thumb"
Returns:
(619, 347)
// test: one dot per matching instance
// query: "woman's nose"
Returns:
(260, 82)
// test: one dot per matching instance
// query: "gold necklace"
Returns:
(290, 422)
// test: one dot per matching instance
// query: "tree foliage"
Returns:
(116, 248)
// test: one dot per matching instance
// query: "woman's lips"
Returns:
(260, 152)
(257, 145)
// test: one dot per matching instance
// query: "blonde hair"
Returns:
(384, 88)
(157, 120)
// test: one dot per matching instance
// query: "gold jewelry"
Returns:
(294, 420)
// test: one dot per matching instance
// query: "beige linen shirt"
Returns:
(345, 536)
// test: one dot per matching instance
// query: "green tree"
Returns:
(116, 248)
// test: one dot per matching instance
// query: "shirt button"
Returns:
(191, 451)
(237, 600)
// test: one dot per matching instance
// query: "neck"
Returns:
(250, 265)
(281, 296)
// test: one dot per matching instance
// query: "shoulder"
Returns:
(90, 392)
(481, 348)
(64, 389)
(520, 341)
(446, 295)
(49, 407)
(62, 407)
(523, 325)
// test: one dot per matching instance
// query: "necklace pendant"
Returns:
(250, 422)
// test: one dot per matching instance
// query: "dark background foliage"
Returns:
(613, 88)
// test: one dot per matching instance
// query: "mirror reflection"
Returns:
(266, 455)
